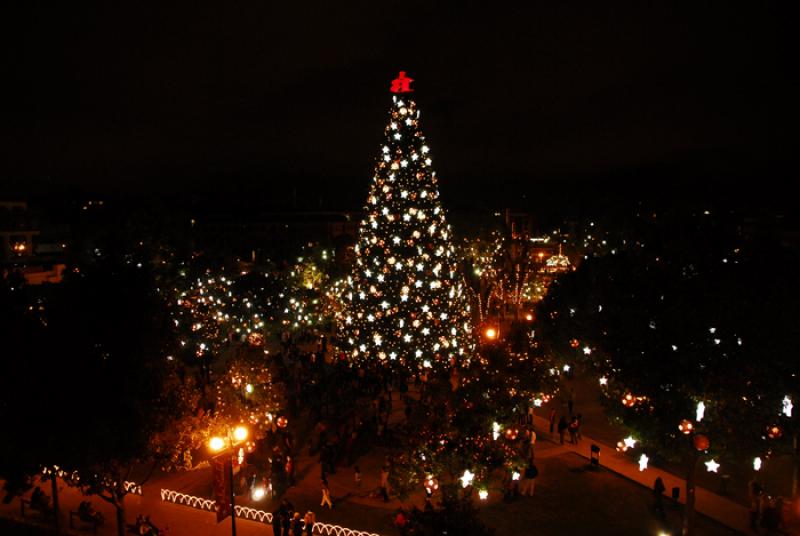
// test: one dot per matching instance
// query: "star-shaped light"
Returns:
(397, 136)
(566, 368)
(407, 337)
(701, 410)
(404, 194)
(712, 466)
(537, 402)
(643, 459)
(630, 442)
(466, 478)
(757, 463)
(787, 406)
(603, 380)
(587, 350)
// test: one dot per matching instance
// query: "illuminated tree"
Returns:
(405, 302)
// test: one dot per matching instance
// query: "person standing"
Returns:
(531, 472)
(358, 476)
(385, 482)
(552, 419)
(533, 442)
(309, 521)
(277, 517)
(562, 428)
(658, 494)
(326, 495)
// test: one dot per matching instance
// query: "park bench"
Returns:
(95, 522)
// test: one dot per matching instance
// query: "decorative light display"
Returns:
(483, 494)
(712, 466)
(466, 478)
(701, 410)
(757, 463)
(774, 432)
(404, 300)
(701, 442)
(787, 406)
(686, 426)
(643, 459)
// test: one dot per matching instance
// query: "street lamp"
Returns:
(217, 444)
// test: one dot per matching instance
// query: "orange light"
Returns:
(490, 333)
(686, 426)
(529, 317)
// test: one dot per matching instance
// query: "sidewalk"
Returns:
(718, 508)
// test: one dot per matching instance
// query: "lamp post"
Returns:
(217, 444)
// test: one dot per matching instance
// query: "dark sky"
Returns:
(216, 96)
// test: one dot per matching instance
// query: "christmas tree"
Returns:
(405, 302)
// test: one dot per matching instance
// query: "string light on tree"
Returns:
(409, 254)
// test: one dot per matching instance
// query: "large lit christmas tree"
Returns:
(405, 302)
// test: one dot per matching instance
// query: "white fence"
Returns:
(260, 516)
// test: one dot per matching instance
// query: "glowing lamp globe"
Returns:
(701, 442)
(774, 432)
(574, 343)
(282, 422)
(490, 333)
(686, 426)
(240, 433)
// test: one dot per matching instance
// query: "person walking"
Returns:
(562, 428)
(326, 495)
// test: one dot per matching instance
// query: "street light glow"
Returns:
(216, 444)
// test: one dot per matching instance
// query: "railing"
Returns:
(259, 516)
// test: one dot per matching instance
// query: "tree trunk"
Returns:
(119, 505)
(688, 513)
(56, 510)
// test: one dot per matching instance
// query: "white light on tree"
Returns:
(643, 459)
(757, 463)
(630, 442)
(483, 494)
(701, 410)
(587, 350)
(603, 380)
(712, 466)
(495, 430)
(466, 478)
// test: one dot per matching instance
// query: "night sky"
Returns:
(215, 97)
